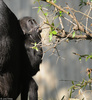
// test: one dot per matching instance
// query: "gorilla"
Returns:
(11, 51)
(32, 35)
(16, 69)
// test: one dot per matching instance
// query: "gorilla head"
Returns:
(27, 24)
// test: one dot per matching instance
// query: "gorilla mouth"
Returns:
(35, 29)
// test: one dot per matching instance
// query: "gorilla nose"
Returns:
(39, 29)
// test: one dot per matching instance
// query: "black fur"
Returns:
(16, 69)
(30, 90)
(32, 35)
(14, 62)
(10, 49)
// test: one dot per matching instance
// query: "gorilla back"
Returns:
(11, 46)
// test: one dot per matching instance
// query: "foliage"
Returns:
(77, 30)
(35, 46)
(83, 3)
(80, 85)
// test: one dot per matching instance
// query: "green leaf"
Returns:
(78, 85)
(79, 58)
(81, 86)
(52, 27)
(52, 24)
(54, 1)
(73, 34)
(45, 14)
(89, 75)
(54, 32)
(36, 49)
(71, 87)
(73, 82)
(60, 13)
(51, 34)
(68, 12)
(35, 46)
(83, 3)
(89, 57)
(39, 8)
(50, 37)
(82, 81)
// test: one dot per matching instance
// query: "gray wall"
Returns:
(67, 68)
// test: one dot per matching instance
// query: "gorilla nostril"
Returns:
(40, 29)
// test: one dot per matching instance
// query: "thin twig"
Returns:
(62, 26)
(87, 18)
(79, 27)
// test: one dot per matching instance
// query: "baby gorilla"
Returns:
(32, 39)
(32, 36)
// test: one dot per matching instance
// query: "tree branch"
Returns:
(77, 25)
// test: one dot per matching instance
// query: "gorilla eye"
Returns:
(30, 21)
(34, 21)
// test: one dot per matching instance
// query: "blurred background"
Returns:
(53, 74)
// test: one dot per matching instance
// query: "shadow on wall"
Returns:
(52, 75)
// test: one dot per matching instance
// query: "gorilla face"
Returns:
(29, 25)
